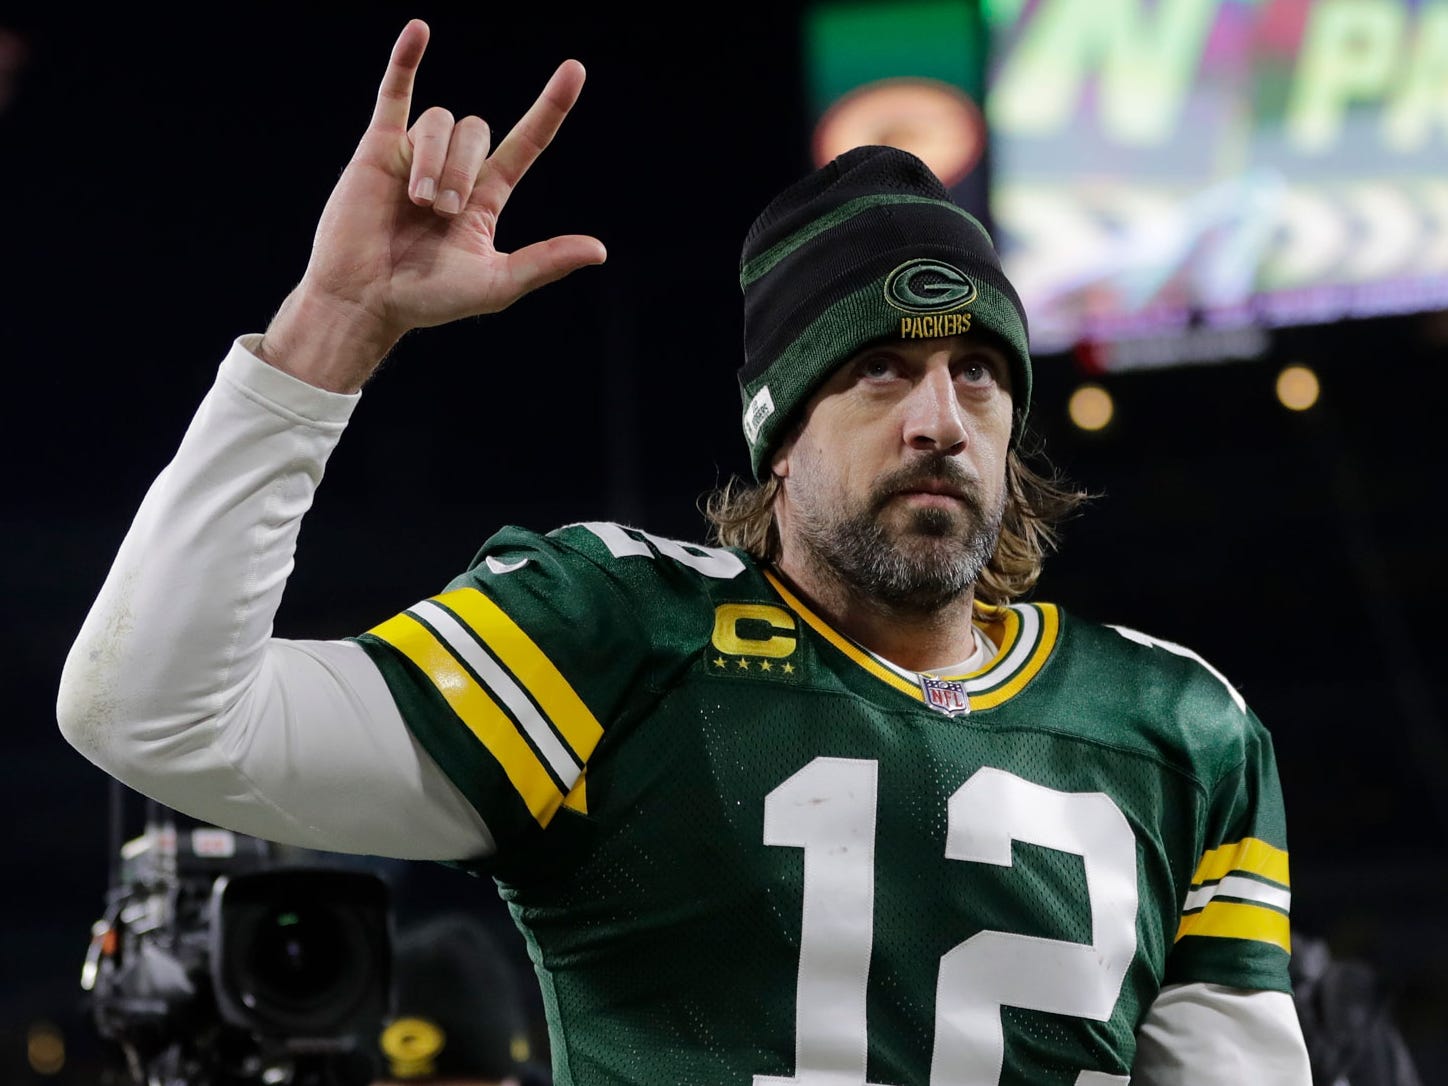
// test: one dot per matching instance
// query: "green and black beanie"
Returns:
(868, 247)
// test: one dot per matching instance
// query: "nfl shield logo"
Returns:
(946, 695)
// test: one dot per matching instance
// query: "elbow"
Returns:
(103, 708)
(130, 722)
(129, 697)
(107, 701)
(86, 706)
(92, 694)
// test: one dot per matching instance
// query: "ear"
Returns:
(779, 460)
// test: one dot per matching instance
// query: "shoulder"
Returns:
(1160, 666)
(1178, 663)
(617, 551)
(1158, 685)
(612, 545)
(611, 567)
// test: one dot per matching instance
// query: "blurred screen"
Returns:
(905, 73)
(1217, 166)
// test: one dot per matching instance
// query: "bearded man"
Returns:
(827, 800)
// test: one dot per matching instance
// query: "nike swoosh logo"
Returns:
(504, 567)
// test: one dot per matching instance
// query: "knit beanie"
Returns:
(868, 247)
(457, 1006)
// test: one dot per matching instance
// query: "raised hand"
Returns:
(406, 239)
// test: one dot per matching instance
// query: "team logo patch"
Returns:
(925, 285)
(945, 695)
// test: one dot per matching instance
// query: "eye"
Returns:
(877, 367)
(977, 369)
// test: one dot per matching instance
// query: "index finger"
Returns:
(394, 96)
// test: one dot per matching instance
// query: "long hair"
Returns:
(1037, 503)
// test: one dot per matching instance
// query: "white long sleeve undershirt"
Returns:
(176, 687)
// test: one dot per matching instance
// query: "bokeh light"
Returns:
(1297, 388)
(1091, 407)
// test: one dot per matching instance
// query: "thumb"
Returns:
(548, 261)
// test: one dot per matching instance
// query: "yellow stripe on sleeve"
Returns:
(493, 727)
(1233, 920)
(534, 671)
(1250, 854)
(577, 798)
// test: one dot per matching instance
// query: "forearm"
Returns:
(175, 685)
(1208, 1034)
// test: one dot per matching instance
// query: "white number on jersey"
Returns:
(710, 561)
(828, 809)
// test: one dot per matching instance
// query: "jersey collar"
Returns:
(1025, 632)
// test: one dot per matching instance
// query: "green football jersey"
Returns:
(743, 850)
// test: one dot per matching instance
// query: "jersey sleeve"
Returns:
(1234, 927)
(511, 676)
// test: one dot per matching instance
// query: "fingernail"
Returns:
(449, 203)
(425, 188)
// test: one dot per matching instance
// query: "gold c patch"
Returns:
(753, 640)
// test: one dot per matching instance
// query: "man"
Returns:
(457, 1017)
(822, 805)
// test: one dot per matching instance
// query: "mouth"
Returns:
(943, 487)
(934, 494)
(931, 499)
(933, 489)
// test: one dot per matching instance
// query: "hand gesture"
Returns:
(406, 239)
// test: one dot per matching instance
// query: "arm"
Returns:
(174, 684)
(1225, 1013)
(1208, 1034)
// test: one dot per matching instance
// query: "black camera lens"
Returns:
(300, 953)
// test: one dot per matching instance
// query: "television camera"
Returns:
(217, 962)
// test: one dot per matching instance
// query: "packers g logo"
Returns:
(924, 285)
(411, 1045)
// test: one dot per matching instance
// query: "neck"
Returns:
(918, 638)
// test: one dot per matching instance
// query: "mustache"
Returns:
(932, 470)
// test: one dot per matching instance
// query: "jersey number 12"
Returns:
(828, 809)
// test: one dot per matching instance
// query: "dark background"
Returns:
(159, 181)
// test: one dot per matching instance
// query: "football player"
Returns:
(824, 800)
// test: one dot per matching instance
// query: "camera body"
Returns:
(217, 965)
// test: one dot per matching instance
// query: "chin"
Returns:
(943, 525)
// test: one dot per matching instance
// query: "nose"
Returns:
(933, 419)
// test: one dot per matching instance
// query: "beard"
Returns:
(916, 561)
